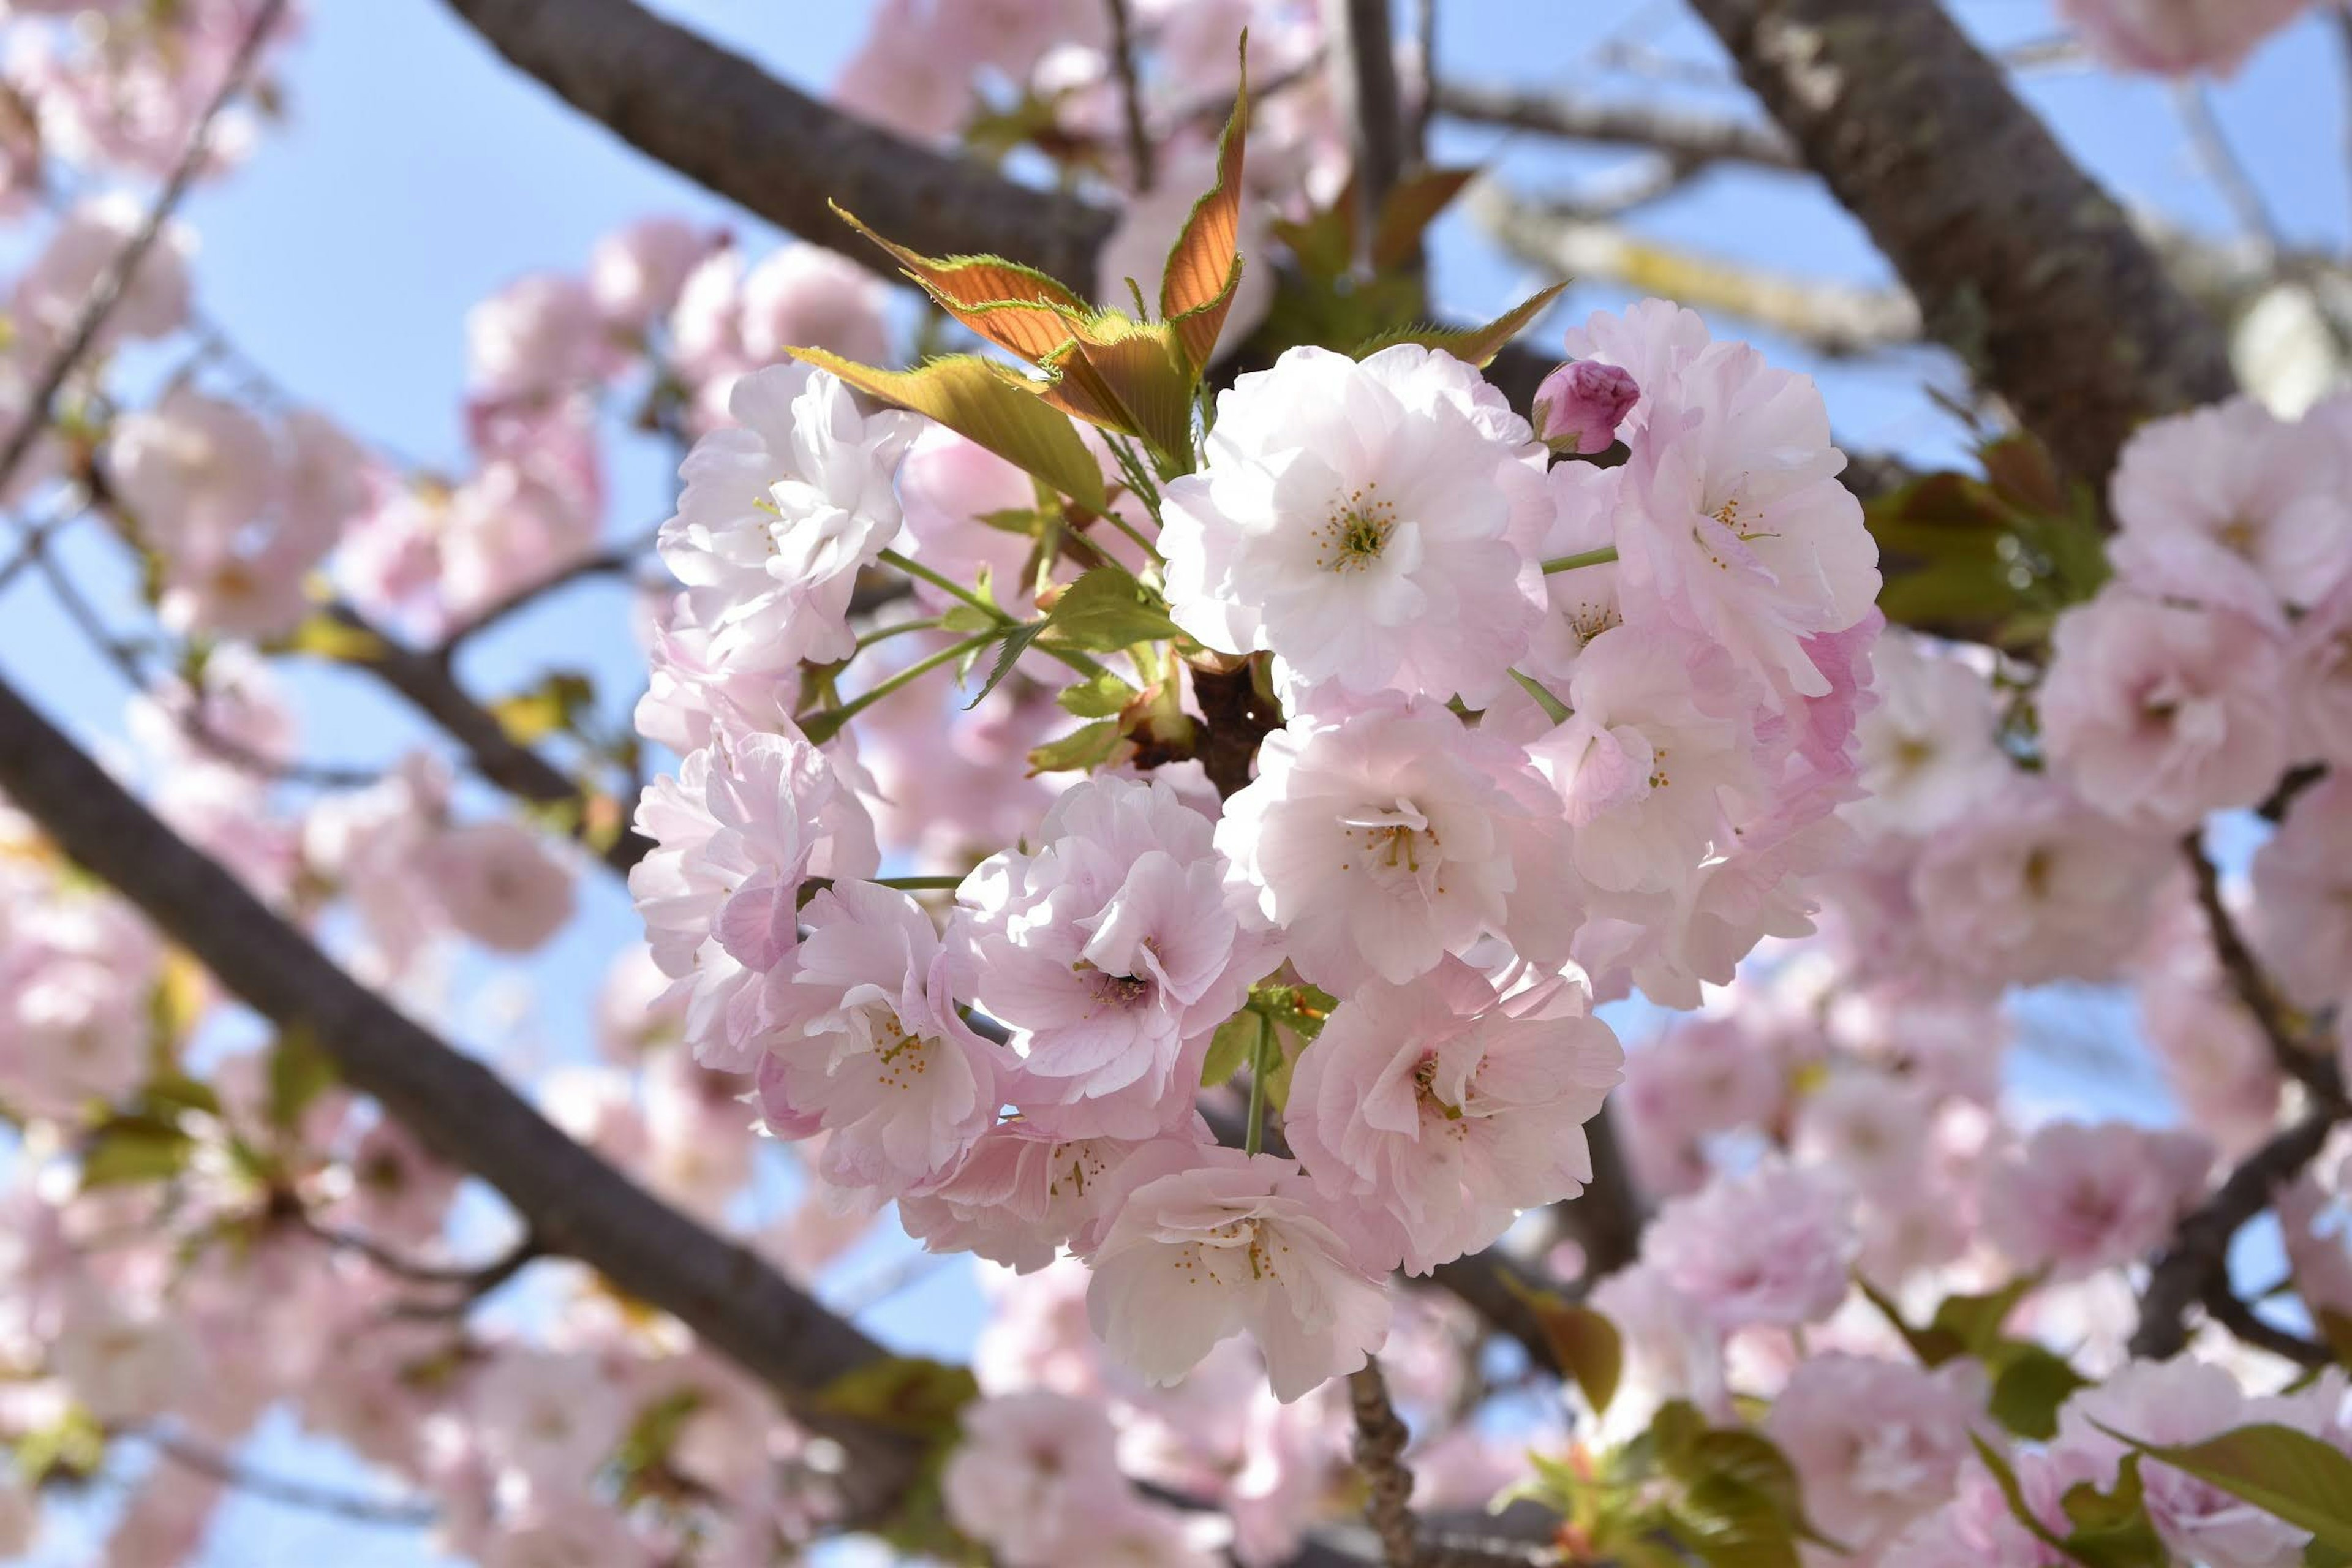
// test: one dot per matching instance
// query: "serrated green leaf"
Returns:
(1108, 609)
(1975, 1322)
(1081, 751)
(1472, 345)
(1017, 639)
(1204, 266)
(2287, 1473)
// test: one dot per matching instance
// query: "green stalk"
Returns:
(1254, 1139)
(823, 727)
(1601, 557)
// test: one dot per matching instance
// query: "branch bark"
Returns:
(1681, 135)
(576, 1205)
(719, 119)
(2197, 1263)
(2021, 264)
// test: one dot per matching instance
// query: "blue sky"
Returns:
(417, 173)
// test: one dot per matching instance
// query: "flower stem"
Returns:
(900, 628)
(823, 727)
(1254, 1139)
(996, 612)
(918, 884)
(1601, 557)
(1559, 712)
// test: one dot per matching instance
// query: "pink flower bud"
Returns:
(1580, 405)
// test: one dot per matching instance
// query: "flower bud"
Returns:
(1580, 405)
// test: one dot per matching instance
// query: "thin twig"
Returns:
(1381, 1439)
(2224, 1306)
(1425, 108)
(115, 279)
(2314, 1070)
(608, 563)
(191, 1456)
(2219, 163)
(470, 1282)
(1142, 169)
(1681, 133)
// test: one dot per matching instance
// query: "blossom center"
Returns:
(1352, 537)
(1392, 838)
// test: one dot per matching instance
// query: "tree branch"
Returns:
(2316, 1071)
(1381, 1439)
(719, 119)
(193, 1456)
(2020, 263)
(579, 1206)
(1362, 47)
(1838, 319)
(423, 679)
(2198, 1260)
(1679, 133)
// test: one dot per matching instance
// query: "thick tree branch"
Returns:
(578, 1205)
(2020, 263)
(719, 119)
(1381, 1439)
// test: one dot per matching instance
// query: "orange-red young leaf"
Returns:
(1205, 264)
(1009, 305)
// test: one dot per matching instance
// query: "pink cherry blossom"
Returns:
(735, 833)
(1772, 1246)
(1380, 841)
(1212, 1242)
(636, 272)
(1732, 524)
(2175, 37)
(538, 337)
(499, 884)
(1580, 405)
(865, 1042)
(2302, 923)
(1029, 1473)
(1441, 1114)
(1930, 747)
(2079, 1197)
(1876, 1444)
(778, 516)
(1112, 951)
(2033, 886)
(2157, 714)
(1363, 521)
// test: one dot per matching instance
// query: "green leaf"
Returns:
(2279, 1470)
(1729, 1525)
(987, 403)
(1017, 639)
(325, 636)
(645, 1448)
(132, 1147)
(2029, 1383)
(72, 1447)
(1584, 1344)
(2005, 1478)
(912, 1394)
(1104, 696)
(300, 1071)
(1108, 609)
(2112, 1528)
(1472, 345)
(1015, 306)
(1229, 1048)
(2335, 1332)
(1081, 751)
(1976, 1322)
(544, 709)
